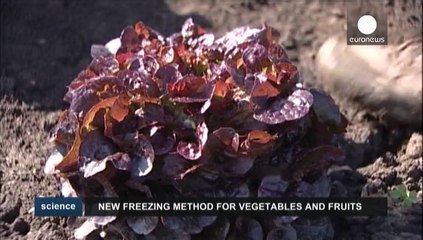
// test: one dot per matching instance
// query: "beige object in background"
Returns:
(386, 80)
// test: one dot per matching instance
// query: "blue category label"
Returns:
(57, 207)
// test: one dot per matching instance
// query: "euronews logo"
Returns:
(367, 24)
(366, 29)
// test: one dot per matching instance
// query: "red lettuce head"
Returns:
(196, 116)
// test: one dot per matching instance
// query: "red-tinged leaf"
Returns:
(70, 161)
(262, 92)
(221, 90)
(120, 108)
(130, 44)
(122, 56)
(296, 106)
(94, 91)
(316, 159)
(222, 97)
(109, 122)
(129, 40)
(143, 100)
(237, 75)
(191, 89)
(255, 57)
(143, 31)
(276, 53)
(185, 58)
(139, 83)
(89, 117)
(259, 137)
(78, 82)
(288, 74)
(258, 143)
(273, 186)
(229, 137)
(100, 66)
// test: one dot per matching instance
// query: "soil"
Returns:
(44, 44)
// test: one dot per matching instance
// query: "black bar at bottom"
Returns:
(236, 206)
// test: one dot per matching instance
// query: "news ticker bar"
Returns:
(211, 206)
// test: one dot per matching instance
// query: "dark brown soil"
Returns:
(44, 44)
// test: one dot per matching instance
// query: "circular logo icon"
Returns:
(367, 24)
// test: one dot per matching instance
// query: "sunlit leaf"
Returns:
(193, 150)
(294, 107)
(191, 89)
